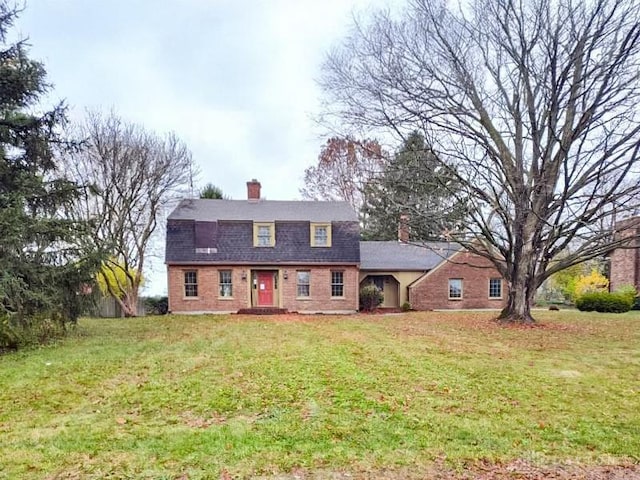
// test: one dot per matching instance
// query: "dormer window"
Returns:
(264, 234)
(320, 234)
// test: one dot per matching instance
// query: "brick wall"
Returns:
(432, 292)
(624, 262)
(320, 299)
(208, 288)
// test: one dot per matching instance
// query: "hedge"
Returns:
(604, 302)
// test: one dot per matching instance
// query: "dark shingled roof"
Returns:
(404, 256)
(232, 242)
(263, 211)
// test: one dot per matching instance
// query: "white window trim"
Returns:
(184, 286)
(331, 284)
(224, 297)
(305, 297)
(501, 287)
(461, 289)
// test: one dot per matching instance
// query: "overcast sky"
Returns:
(234, 79)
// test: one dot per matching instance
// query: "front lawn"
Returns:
(224, 396)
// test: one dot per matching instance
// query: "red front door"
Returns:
(265, 289)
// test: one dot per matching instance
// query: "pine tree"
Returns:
(414, 183)
(212, 192)
(44, 265)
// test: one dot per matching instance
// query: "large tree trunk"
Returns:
(518, 308)
(522, 287)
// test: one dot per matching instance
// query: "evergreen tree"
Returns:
(417, 184)
(44, 266)
(212, 192)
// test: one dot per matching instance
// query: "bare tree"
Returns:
(536, 101)
(345, 168)
(133, 176)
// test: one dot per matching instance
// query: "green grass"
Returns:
(163, 397)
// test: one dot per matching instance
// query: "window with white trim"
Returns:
(495, 288)
(226, 283)
(191, 283)
(337, 284)
(455, 288)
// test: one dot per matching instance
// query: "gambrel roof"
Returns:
(222, 232)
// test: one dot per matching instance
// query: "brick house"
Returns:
(393, 266)
(306, 256)
(624, 262)
(431, 275)
(463, 280)
(230, 255)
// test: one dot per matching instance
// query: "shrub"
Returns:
(40, 328)
(156, 305)
(562, 284)
(592, 283)
(370, 297)
(604, 302)
(406, 306)
(9, 337)
(629, 292)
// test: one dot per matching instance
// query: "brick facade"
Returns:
(625, 262)
(320, 299)
(206, 237)
(285, 293)
(432, 290)
(208, 299)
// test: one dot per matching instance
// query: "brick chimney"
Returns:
(253, 190)
(403, 229)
